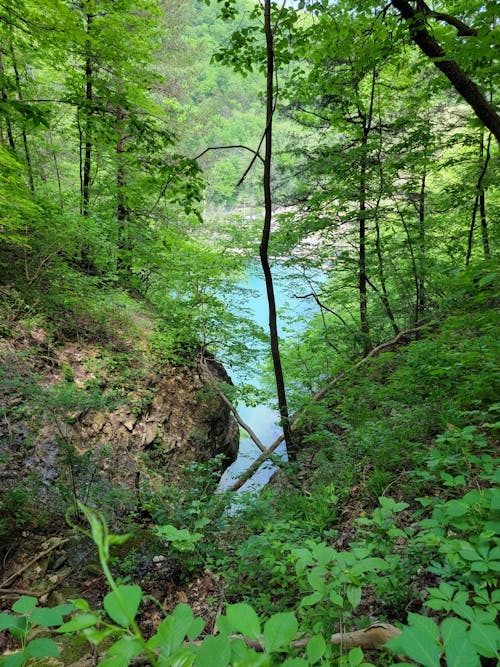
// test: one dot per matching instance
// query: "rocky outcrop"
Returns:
(80, 415)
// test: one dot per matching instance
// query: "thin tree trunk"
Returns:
(24, 135)
(459, 79)
(414, 265)
(384, 297)
(480, 203)
(3, 94)
(362, 277)
(122, 211)
(362, 196)
(266, 233)
(89, 94)
(421, 296)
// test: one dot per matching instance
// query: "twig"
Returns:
(225, 399)
(14, 576)
(315, 398)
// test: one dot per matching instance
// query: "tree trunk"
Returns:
(89, 94)
(480, 203)
(459, 79)
(266, 233)
(24, 135)
(381, 275)
(3, 93)
(421, 296)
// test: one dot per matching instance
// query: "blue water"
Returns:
(293, 314)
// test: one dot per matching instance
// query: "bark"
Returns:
(362, 197)
(384, 296)
(421, 297)
(462, 83)
(27, 153)
(266, 233)
(480, 203)
(89, 95)
(3, 94)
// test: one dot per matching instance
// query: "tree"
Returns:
(416, 18)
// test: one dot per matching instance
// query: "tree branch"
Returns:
(317, 397)
(458, 78)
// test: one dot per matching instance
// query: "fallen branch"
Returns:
(209, 379)
(14, 576)
(249, 472)
(372, 637)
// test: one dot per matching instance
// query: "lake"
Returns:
(263, 418)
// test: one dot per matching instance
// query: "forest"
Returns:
(248, 333)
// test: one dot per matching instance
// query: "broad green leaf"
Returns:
(244, 619)
(123, 604)
(7, 622)
(419, 641)
(311, 599)
(215, 651)
(224, 626)
(355, 657)
(42, 648)
(353, 595)
(14, 660)
(336, 599)
(95, 635)
(279, 631)
(81, 604)
(295, 662)
(369, 565)
(25, 604)
(46, 617)
(324, 554)
(127, 648)
(316, 578)
(195, 628)
(173, 629)
(458, 648)
(315, 648)
(486, 639)
(79, 623)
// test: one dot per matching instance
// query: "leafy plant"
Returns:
(28, 615)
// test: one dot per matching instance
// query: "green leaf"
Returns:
(295, 662)
(353, 595)
(244, 619)
(7, 622)
(42, 648)
(118, 539)
(215, 651)
(79, 623)
(14, 660)
(486, 639)
(195, 628)
(311, 599)
(127, 648)
(46, 617)
(172, 630)
(369, 565)
(315, 648)
(419, 641)
(25, 604)
(355, 657)
(458, 648)
(224, 626)
(95, 636)
(279, 631)
(122, 605)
